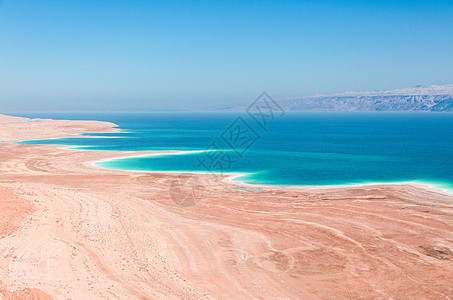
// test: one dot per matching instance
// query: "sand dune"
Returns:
(73, 231)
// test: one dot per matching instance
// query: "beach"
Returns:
(71, 230)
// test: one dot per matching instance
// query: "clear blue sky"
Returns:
(128, 55)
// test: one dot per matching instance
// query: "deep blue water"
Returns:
(295, 149)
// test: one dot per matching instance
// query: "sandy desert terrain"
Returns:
(69, 230)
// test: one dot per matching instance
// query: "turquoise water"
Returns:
(295, 149)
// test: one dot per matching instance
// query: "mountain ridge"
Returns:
(417, 98)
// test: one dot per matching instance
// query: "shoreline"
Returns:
(227, 177)
(231, 176)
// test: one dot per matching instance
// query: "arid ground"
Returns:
(70, 230)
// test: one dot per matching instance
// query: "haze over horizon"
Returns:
(137, 55)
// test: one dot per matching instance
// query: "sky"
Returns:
(104, 55)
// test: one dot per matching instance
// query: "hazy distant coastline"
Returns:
(418, 98)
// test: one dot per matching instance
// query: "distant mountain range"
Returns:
(418, 98)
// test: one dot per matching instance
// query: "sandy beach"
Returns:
(70, 230)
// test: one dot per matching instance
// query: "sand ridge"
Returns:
(82, 232)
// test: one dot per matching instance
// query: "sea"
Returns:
(278, 149)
